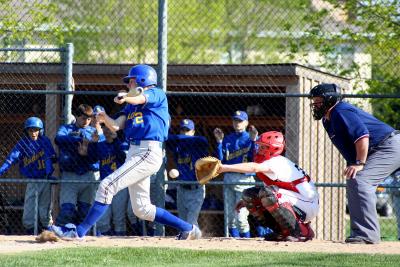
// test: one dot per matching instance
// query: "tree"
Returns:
(372, 27)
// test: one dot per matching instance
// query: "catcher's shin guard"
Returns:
(283, 214)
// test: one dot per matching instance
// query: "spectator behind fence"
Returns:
(76, 198)
(35, 155)
(371, 150)
(110, 151)
(235, 148)
(188, 148)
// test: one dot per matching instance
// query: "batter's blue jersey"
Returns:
(110, 155)
(67, 139)
(347, 124)
(187, 150)
(148, 121)
(35, 158)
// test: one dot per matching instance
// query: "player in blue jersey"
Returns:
(371, 150)
(76, 198)
(237, 147)
(186, 149)
(35, 155)
(145, 121)
(110, 152)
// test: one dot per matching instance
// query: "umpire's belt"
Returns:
(190, 186)
(145, 143)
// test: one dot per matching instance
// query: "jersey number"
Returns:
(41, 164)
(137, 118)
(300, 169)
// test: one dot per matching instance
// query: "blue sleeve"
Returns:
(154, 96)
(64, 139)
(11, 159)
(50, 155)
(219, 152)
(353, 125)
(201, 146)
(250, 155)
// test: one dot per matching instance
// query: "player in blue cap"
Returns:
(235, 148)
(187, 148)
(35, 155)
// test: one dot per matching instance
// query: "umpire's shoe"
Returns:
(193, 234)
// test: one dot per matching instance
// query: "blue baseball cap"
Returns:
(186, 123)
(240, 115)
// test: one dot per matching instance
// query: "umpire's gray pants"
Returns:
(361, 191)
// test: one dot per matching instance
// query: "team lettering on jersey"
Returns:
(136, 117)
(35, 157)
(186, 160)
(109, 160)
(239, 153)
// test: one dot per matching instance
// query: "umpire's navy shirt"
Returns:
(347, 124)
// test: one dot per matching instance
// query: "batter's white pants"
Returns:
(142, 161)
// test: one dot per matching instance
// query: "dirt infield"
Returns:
(16, 244)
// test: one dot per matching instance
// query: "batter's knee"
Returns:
(105, 192)
(145, 212)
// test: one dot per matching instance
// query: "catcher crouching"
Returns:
(286, 203)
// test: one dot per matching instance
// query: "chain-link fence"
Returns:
(217, 50)
(209, 105)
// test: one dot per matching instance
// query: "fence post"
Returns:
(69, 84)
(162, 82)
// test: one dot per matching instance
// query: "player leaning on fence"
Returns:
(35, 155)
(187, 148)
(236, 147)
(76, 198)
(371, 150)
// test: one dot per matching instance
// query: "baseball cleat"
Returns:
(193, 234)
(67, 232)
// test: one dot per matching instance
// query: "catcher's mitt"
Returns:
(206, 169)
(46, 236)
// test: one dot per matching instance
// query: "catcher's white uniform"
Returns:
(294, 185)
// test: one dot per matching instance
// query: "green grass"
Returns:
(388, 228)
(148, 257)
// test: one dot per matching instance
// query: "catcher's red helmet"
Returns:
(269, 144)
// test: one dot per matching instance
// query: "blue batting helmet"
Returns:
(34, 122)
(144, 74)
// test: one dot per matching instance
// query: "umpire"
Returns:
(371, 150)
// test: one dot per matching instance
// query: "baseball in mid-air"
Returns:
(173, 173)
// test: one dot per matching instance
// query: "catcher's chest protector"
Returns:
(284, 185)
